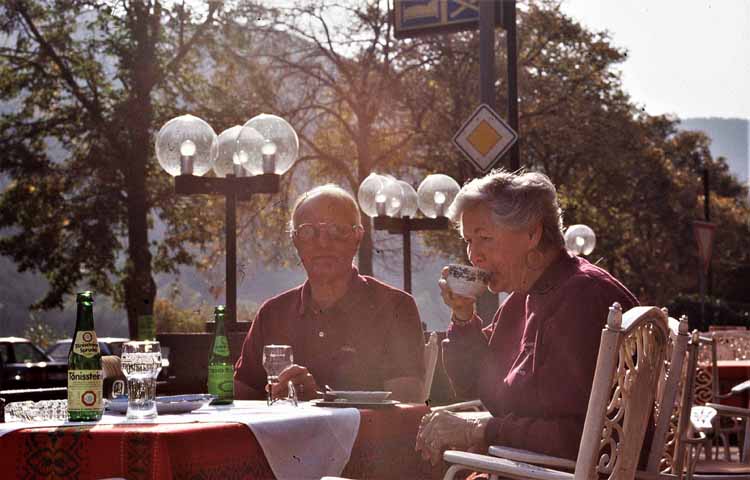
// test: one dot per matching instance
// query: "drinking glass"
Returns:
(141, 363)
(275, 359)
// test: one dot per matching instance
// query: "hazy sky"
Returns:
(686, 57)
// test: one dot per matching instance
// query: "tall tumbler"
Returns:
(141, 363)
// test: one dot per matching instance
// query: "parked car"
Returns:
(24, 365)
(108, 346)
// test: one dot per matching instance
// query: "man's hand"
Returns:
(303, 381)
(441, 430)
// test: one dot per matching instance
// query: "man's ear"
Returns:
(359, 235)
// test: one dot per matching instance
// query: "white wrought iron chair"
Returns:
(698, 421)
(431, 350)
(470, 406)
(630, 363)
(666, 422)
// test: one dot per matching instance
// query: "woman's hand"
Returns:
(441, 430)
(303, 381)
(463, 307)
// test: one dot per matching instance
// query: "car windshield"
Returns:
(59, 351)
(26, 352)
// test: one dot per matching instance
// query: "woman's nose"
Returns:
(476, 257)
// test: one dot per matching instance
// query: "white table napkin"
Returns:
(299, 442)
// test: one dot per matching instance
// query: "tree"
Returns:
(346, 72)
(630, 176)
(89, 82)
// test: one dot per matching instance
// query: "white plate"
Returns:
(348, 404)
(359, 395)
(165, 405)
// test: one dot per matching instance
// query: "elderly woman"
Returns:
(532, 367)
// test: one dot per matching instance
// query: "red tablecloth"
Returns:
(384, 448)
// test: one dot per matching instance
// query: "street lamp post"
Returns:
(246, 160)
(392, 204)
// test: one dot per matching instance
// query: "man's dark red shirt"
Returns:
(371, 335)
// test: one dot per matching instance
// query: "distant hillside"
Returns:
(729, 139)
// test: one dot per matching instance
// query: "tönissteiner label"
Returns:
(85, 344)
(220, 380)
(221, 346)
(85, 389)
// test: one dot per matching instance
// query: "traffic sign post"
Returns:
(412, 18)
(484, 138)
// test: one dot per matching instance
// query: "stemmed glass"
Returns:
(275, 359)
(141, 363)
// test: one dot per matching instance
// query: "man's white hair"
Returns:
(329, 190)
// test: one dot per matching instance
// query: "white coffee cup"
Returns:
(466, 280)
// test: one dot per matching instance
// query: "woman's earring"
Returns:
(534, 259)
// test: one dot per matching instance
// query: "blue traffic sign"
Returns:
(421, 17)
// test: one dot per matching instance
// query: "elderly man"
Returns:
(346, 330)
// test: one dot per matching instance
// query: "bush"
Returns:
(40, 333)
(717, 311)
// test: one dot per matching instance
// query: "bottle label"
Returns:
(221, 346)
(146, 327)
(85, 344)
(85, 389)
(221, 380)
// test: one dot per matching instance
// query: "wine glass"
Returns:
(141, 363)
(275, 359)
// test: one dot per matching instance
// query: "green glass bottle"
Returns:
(220, 368)
(85, 365)
(146, 328)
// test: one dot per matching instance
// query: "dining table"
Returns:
(731, 374)
(382, 448)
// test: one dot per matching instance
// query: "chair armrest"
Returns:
(726, 410)
(701, 417)
(741, 387)
(499, 466)
(469, 406)
(534, 458)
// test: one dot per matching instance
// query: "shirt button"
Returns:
(321, 334)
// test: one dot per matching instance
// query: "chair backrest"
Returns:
(631, 357)
(731, 344)
(431, 349)
(688, 397)
(706, 381)
(661, 455)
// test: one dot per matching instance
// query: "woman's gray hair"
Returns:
(330, 190)
(516, 200)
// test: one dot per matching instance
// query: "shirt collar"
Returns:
(555, 273)
(352, 297)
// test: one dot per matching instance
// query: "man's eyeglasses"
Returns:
(334, 231)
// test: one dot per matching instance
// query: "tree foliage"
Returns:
(635, 179)
(88, 84)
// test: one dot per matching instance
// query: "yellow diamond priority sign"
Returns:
(484, 138)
